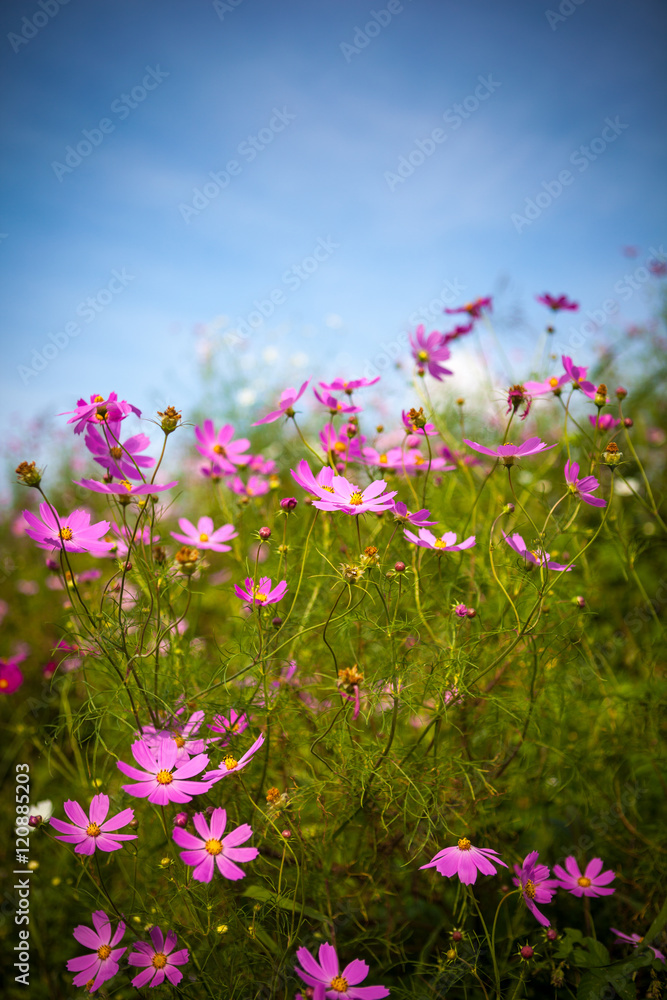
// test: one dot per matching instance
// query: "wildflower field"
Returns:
(379, 715)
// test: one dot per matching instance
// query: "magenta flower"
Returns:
(99, 411)
(582, 488)
(340, 385)
(230, 765)
(604, 421)
(428, 352)
(535, 556)
(125, 488)
(232, 725)
(557, 303)
(183, 734)
(327, 979)
(285, 405)
(95, 831)
(158, 781)
(636, 940)
(465, 861)
(552, 384)
(510, 452)
(74, 532)
(320, 485)
(265, 466)
(210, 848)
(204, 536)
(447, 542)
(255, 487)
(535, 884)
(578, 377)
(333, 405)
(353, 500)
(419, 519)
(159, 958)
(591, 883)
(103, 963)
(219, 447)
(262, 593)
(458, 331)
(118, 458)
(11, 675)
(473, 309)
(340, 446)
(142, 537)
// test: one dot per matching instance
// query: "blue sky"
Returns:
(317, 114)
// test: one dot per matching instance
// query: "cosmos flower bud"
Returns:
(551, 329)
(34, 820)
(460, 401)
(286, 834)
(264, 534)
(611, 455)
(552, 934)
(28, 474)
(399, 567)
(471, 613)
(621, 393)
(527, 952)
(579, 601)
(170, 419)
(628, 422)
(351, 430)
(379, 428)
(181, 819)
(508, 508)
(276, 622)
(457, 936)
(600, 399)
(289, 503)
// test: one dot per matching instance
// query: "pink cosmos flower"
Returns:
(535, 556)
(552, 384)
(447, 542)
(352, 500)
(557, 303)
(11, 675)
(419, 519)
(118, 458)
(230, 765)
(320, 485)
(340, 446)
(465, 861)
(414, 462)
(93, 832)
(232, 725)
(658, 268)
(219, 447)
(142, 537)
(636, 940)
(255, 487)
(333, 405)
(99, 411)
(328, 981)
(392, 458)
(510, 452)
(285, 405)
(535, 884)
(159, 958)
(428, 352)
(204, 536)
(262, 593)
(605, 421)
(265, 466)
(73, 532)
(210, 848)
(158, 781)
(102, 964)
(125, 488)
(473, 309)
(458, 331)
(182, 733)
(591, 883)
(340, 385)
(578, 377)
(582, 488)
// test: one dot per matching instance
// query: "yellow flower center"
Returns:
(440, 543)
(583, 882)
(127, 484)
(213, 846)
(203, 537)
(329, 489)
(164, 777)
(66, 534)
(356, 498)
(422, 356)
(104, 951)
(259, 595)
(464, 844)
(159, 960)
(553, 381)
(179, 741)
(116, 451)
(230, 762)
(235, 727)
(219, 450)
(98, 399)
(419, 460)
(4, 683)
(93, 830)
(529, 889)
(338, 983)
(340, 446)
(383, 459)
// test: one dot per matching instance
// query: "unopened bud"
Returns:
(286, 834)
(551, 329)
(181, 819)
(508, 508)
(579, 601)
(457, 936)
(34, 820)
(621, 393)
(209, 811)
(264, 534)
(527, 952)
(288, 503)
(379, 428)
(628, 422)
(471, 613)
(399, 567)
(552, 934)
(134, 824)
(276, 622)
(460, 401)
